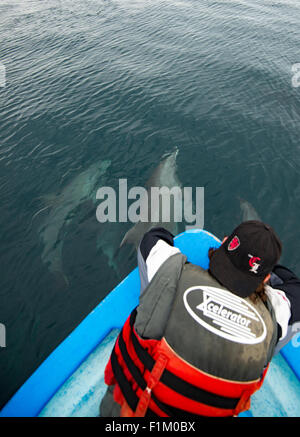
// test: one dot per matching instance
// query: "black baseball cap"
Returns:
(248, 255)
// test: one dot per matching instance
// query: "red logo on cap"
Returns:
(234, 243)
(253, 263)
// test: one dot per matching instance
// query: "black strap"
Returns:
(134, 370)
(125, 386)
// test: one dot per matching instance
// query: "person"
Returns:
(200, 341)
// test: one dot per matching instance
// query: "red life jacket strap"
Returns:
(153, 379)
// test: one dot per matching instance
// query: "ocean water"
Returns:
(120, 83)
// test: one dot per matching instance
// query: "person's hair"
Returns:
(258, 293)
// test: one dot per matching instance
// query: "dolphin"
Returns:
(81, 189)
(248, 211)
(164, 175)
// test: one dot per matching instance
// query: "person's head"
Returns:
(245, 259)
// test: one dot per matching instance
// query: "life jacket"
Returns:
(209, 361)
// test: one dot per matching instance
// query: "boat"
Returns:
(70, 382)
